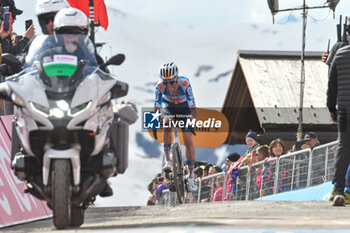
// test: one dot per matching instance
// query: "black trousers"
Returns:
(343, 154)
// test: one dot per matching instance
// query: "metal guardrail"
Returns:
(297, 170)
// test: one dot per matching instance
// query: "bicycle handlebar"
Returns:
(156, 137)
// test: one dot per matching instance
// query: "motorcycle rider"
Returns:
(174, 92)
(70, 22)
(46, 11)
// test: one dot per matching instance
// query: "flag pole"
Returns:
(92, 23)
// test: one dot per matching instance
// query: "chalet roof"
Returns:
(264, 94)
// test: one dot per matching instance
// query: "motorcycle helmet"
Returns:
(169, 71)
(71, 21)
(46, 10)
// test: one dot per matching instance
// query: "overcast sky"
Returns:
(222, 12)
(204, 13)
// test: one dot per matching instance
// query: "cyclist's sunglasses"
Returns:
(169, 82)
(48, 18)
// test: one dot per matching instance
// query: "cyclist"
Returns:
(174, 92)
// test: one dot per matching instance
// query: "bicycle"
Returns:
(177, 165)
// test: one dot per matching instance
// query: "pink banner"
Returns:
(15, 206)
(7, 123)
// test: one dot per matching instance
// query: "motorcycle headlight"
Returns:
(56, 112)
(63, 105)
(73, 112)
(43, 111)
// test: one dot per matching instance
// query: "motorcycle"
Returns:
(63, 116)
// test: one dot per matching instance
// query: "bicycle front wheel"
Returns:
(178, 173)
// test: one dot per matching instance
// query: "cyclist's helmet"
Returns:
(169, 71)
(46, 9)
(71, 21)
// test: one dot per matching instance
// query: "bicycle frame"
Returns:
(176, 140)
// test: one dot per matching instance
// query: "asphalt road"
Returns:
(236, 216)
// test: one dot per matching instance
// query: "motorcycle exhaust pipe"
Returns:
(109, 164)
(96, 186)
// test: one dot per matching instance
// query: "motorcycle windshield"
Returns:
(61, 60)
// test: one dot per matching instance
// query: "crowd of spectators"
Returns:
(228, 185)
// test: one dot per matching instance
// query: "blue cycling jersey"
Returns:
(182, 94)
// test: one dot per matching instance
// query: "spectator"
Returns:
(162, 185)
(311, 140)
(231, 158)
(265, 181)
(3, 34)
(206, 184)
(206, 169)
(292, 149)
(318, 158)
(152, 188)
(224, 167)
(217, 196)
(247, 160)
(337, 94)
(262, 153)
(209, 184)
(252, 142)
(198, 172)
(214, 169)
(277, 148)
(231, 178)
(6, 43)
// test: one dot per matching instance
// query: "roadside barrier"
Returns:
(297, 170)
(15, 206)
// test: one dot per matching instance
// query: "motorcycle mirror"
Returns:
(10, 59)
(115, 60)
(120, 89)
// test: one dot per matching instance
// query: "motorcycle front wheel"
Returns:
(61, 192)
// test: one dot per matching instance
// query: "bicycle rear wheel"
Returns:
(178, 173)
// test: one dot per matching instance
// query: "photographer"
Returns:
(156, 187)
(338, 103)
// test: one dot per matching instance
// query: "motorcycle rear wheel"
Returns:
(61, 192)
